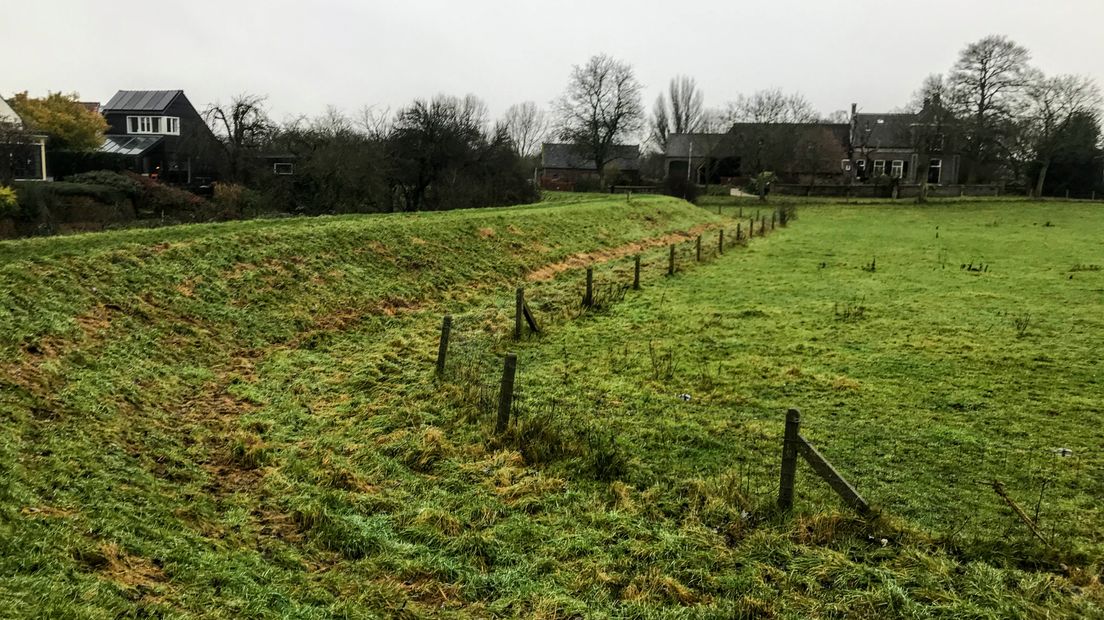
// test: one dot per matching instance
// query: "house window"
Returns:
(845, 165)
(879, 167)
(861, 165)
(154, 124)
(283, 169)
(897, 170)
(935, 171)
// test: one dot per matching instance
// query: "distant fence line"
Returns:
(467, 343)
(886, 191)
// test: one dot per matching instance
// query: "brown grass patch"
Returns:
(583, 260)
(486, 232)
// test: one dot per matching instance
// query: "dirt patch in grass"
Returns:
(585, 259)
(486, 232)
(129, 571)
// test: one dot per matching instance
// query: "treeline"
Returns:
(442, 153)
(1011, 123)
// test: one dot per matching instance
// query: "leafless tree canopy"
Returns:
(1054, 104)
(600, 108)
(771, 106)
(933, 87)
(241, 126)
(527, 126)
(680, 111)
(987, 86)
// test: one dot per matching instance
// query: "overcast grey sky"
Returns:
(305, 55)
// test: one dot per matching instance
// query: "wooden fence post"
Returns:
(720, 242)
(671, 261)
(519, 311)
(739, 233)
(636, 272)
(774, 214)
(506, 393)
(588, 298)
(442, 348)
(789, 459)
(698, 248)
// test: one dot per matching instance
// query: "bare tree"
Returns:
(1054, 105)
(527, 126)
(714, 120)
(771, 106)
(681, 111)
(600, 108)
(375, 122)
(986, 86)
(242, 126)
(933, 88)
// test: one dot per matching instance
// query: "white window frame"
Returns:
(288, 168)
(153, 125)
(897, 169)
(845, 165)
(879, 167)
(938, 165)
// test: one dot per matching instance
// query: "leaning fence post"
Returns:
(720, 242)
(698, 248)
(506, 393)
(671, 261)
(442, 348)
(751, 227)
(636, 272)
(519, 310)
(789, 459)
(588, 297)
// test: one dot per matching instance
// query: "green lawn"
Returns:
(241, 419)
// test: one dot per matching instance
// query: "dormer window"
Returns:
(154, 125)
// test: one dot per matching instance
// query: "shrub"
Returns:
(762, 180)
(107, 178)
(234, 200)
(9, 202)
(589, 183)
(679, 187)
(169, 202)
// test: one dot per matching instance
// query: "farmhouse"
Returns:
(161, 134)
(22, 154)
(912, 148)
(806, 153)
(563, 166)
(915, 148)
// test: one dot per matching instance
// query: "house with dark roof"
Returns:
(805, 153)
(22, 154)
(563, 166)
(160, 134)
(913, 147)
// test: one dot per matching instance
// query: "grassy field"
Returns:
(242, 419)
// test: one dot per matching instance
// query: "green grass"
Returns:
(241, 419)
